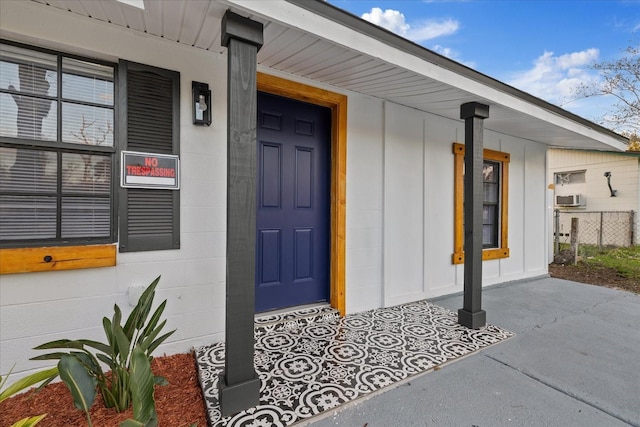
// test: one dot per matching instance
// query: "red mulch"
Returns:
(178, 404)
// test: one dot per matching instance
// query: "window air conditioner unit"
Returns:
(571, 200)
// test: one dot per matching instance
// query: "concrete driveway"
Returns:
(575, 361)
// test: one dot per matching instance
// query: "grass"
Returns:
(625, 260)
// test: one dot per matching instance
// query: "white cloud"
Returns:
(445, 51)
(395, 21)
(556, 78)
(392, 20)
(428, 30)
(451, 54)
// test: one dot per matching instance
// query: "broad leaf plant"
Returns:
(127, 353)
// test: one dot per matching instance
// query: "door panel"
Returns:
(303, 262)
(304, 178)
(292, 242)
(270, 176)
(269, 241)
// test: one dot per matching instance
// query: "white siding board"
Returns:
(490, 272)
(514, 265)
(403, 205)
(364, 245)
(535, 209)
(439, 272)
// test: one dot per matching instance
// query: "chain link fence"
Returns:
(595, 230)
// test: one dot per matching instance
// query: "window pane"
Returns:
(27, 117)
(28, 171)
(490, 192)
(490, 226)
(83, 124)
(86, 173)
(28, 71)
(83, 81)
(27, 217)
(577, 177)
(85, 217)
(490, 171)
(487, 172)
(489, 236)
(489, 214)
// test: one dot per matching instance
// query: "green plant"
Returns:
(123, 353)
(625, 260)
(45, 377)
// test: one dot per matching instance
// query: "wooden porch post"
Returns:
(239, 384)
(471, 315)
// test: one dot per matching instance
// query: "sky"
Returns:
(543, 47)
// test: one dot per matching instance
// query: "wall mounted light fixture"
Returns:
(608, 176)
(201, 104)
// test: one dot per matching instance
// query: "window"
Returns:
(57, 148)
(567, 178)
(495, 173)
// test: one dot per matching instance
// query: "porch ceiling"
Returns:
(314, 55)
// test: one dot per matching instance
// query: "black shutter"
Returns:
(149, 218)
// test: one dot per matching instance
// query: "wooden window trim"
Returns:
(54, 258)
(458, 186)
(338, 105)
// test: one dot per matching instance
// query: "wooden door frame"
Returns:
(338, 105)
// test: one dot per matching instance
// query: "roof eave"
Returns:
(329, 11)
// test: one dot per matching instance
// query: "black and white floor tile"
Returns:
(313, 361)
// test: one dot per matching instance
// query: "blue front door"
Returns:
(293, 177)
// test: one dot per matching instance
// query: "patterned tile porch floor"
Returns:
(313, 361)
